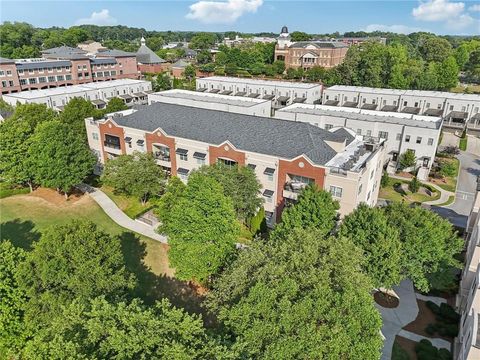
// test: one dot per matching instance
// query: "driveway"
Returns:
(473, 145)
(458, 212)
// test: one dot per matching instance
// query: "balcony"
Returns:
(112, 147)
(161, 156)
(288, 194)
(294, 186)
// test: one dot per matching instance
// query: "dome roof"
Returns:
(284, 30)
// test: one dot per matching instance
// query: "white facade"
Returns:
(282, 93)
(99, 93)
(401, 131)
(236, 104)
(458, 110)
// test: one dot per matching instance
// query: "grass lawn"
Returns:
(463, 143)
(7, 190)
(128, 204)
(448, 183)
(24, 217)
(393, 192)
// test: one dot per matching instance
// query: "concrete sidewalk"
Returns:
(437, 342)
(117, 215)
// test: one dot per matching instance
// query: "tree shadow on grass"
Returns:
(20, 233)
(151, 287)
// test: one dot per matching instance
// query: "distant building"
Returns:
(359, 40)
(64, 66)
(178, 68)
(91, 47)
(239, 40)
(306, 54)
(148, 61)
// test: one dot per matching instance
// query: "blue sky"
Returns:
(438, 16)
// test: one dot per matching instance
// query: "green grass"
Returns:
(449, 183)
(128, 204)
(463, 144)
(393, 193)
(450, 201)
(7, 190)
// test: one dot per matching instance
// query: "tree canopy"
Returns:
(75, 113)
(115, 104)
(302, 297)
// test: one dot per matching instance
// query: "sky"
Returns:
(437, 16)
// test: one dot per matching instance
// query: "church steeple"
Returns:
(142, 41)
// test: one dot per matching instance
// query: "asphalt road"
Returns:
(458, 212)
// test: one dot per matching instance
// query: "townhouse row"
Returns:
(285, 155)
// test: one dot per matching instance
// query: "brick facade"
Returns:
(159, 138)
(225, 151)
(109, 128)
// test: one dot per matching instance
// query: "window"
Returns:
(9, 72)
(95, 136)
(359, 131)
(407, 138)
(451, 107)
(32, 81)
(226, 162)
(30, 71)
(121, 72)
(268, 195)
(419, 139)
(416, 104)
(328, 126)
(336, 191)
(475, 110)
(107, 73)
(84, 67)
(68, 77)
(113, 73)
(269, 173)
(4, 83)
(51, 79)
(42, 79)
(2, 73)
(405, 103)
(100, 74)
(371, 173)
(79, 67)
(60, 78)
(394, 102)
(369, 132)
(463, 107)
(360, 189)
(10, 82)
(374, 101)
(364, 100)
(23, 81)
(79, 75)
(384, 102)
(383, 134)
(430, 141)
(439, 106)
(427, 105)
(399, 137)
(368, 196)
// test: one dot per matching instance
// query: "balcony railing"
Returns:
(111, 145)
(162, 157)
(338, 171)
(295, 186)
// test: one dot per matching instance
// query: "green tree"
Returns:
(385, 181)
(103, 330)
(155, 43)
(202, 230)
(279, 66)
(315, 73)
(238, 183)
(12, 301)
(137, 175)
(447, 73)
(115, 104)
(314, 209)
(203, 41)
(462, 55)
(189, 72)
(204, 57)
(473, 65)
(75, 113)
(407, 159)
(300, 36)
(448, 168)
(302, 297)
(368, 228)
(75, 261)
(16, 134)
(428, 242)
(162, 82)
(434, 48)
(59, 157)
(414, 185)
(173, 193)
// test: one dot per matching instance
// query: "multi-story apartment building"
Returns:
(281, 93)
(457, 110)
(400, 131)
(205, 100)
(285, 155)
(64, 66)
(467, 343)
(306, 54)
(99, 93)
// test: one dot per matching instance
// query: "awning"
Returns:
(183, 171)
(299, 100)
(148, 91)
(181, 151)
(283, 98)
(410, 110)
(240, 93)
(98, 102)
(253, 95)
(139, 94)
(369, 106)
(350, 104)
(140, 142)
(433, 112)
(199, 155)
(457, 115)
(393, 108)
(226, 92)
(252, 166)
(269, 171)
(269, 97)
(331, 103)
(268, 193)
(128, 139)
(201, 89)
(214, 91)
(125, 96)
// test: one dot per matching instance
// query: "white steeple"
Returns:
(142, 41)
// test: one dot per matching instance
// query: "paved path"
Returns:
(395, 319)
(439, 343)
(450, 139)
(119, 216)
(473, 145)
(435, 299)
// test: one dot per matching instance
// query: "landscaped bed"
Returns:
(385, 300)
(403, 349)
(448, 183)
(397, 190)
(130, 205)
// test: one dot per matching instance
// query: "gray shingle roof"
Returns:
(99, 61)
(281, 138)
(115, 53)
(43, 64)
(6, 61)
(180, 64)
(64, 52)
(145, 55)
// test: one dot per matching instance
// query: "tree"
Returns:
(473, 65)
(407, 159)
(414, 185)
(368, 228)
(76, 261)
(204, 57)
(189, 72)
(314, 209)
(210, 67)
(385, 181)
(447, 73)
(203, 41)
(448, 168)
(75, 113)
(12, 301)
(428, 242)
(137, 175)
(300, 36)
(173, 193)
(16, 136)
(279, 66)
(301, 297)
(434, 48)
(115, 104)
(162, 82)
(59, 157)
(315, 73)
(240, 184)
(202, 230)
(104, 330)
(155, 43)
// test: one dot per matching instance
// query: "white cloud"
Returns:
(438, 10)
(460, 22)
(220, 12)
(475, 7)
(102, 17)
(400, 29)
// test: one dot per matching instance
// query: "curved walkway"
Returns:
(444, 194)
(117, 215)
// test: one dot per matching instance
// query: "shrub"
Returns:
(448, 313)
(433, 307)
(407, 159)
(385, 181)
(425, 350)
(414, 185)
(444, 354)
(447, 169)
(431, 329)
(450, 151)
(258, 222)
(450, 330)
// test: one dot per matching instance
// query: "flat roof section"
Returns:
(259, 82)
(209, 97)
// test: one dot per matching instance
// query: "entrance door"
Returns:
(394, 156)
(425, 162)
